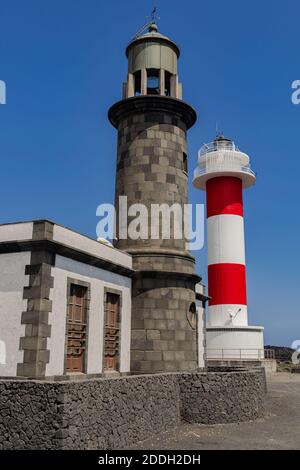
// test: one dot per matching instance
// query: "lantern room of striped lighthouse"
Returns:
(223, 172)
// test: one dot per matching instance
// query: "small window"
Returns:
(192, 316)
(167, 83)
(184, 162)
(137, 83)
(152, 82)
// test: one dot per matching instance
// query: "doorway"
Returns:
(112, 332)
(76, 331)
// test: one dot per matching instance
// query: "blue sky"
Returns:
(63, 63)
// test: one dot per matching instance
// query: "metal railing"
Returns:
(218, 145)
(223, 167)
(239, 354)
(269, 353)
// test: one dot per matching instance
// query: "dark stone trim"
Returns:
(42, 229)
(203, 298)
(170, 275)
(78, 282)
(64, 378)
(148, 103)
(151, 252)
(39, 305)
(53, 248)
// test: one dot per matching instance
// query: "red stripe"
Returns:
(227, 284)
(224, 195)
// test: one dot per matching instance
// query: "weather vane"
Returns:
(153, 19)
(153, 14)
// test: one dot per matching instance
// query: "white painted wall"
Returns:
(83, 243)
(227, 315)
(16, 232)
(225, 239)
(200, 289)
(249, 340)
(98, 279)
(270, 366)
(12, 282)
(201, 337)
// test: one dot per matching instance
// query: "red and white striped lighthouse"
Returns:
(223, 171)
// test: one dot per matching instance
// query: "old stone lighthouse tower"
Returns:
(152, 123)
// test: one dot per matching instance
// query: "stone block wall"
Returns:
(115, 413)
(31, 414)
(162, 337)
(226, 397)
(150, 169)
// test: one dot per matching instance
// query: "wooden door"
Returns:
(112, 332)
(76, 329)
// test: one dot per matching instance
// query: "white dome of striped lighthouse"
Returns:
(223, 171)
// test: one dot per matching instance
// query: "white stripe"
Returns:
(225, 239)
(227, 315)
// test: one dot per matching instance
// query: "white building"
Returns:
(65, 303)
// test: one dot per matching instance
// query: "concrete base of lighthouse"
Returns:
(234, 343)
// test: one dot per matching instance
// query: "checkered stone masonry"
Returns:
(162, 338)
(39, 306)
(150, 170)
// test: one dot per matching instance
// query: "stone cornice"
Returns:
(194, 278)
(147, 103)
(58, 248)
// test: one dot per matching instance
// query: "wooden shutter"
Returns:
(76, 329)
(112, 332)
